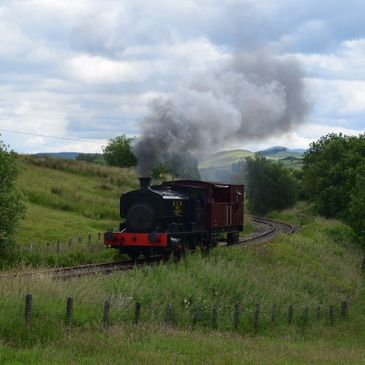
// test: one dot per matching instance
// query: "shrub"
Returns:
(11, 203)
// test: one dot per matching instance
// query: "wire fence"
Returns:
(90, 243)
(240, 318)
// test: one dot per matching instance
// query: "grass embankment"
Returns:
(318, 265)
(65, 200)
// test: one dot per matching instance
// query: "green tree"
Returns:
(334, 179)
(356, 211)
(118, 152)
(11, 203)
(330, 173)
(269, 185)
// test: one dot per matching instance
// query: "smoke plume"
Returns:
(250, 97)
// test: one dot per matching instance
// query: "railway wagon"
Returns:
(176, 216)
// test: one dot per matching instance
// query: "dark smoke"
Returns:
(182, 165)
(253, 96)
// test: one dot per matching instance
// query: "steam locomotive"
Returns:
(177, 216)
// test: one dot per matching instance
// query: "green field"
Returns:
(319, 265)
(65, 200)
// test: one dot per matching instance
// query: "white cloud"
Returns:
(347, 62)
(13, 42)
(96, 70)
(338, 96)
(301, 137)
(312, 131)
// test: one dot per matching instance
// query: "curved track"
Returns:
(266, 230)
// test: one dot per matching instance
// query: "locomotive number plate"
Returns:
(177, 207)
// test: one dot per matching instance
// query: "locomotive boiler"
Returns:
(176, 216)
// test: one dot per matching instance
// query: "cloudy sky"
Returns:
(86, 71)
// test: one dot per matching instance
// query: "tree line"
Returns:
(332, 180)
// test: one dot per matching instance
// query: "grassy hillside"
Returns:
(68, 199)
(225, 158)
(320, 265)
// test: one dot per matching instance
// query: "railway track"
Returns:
(266, 230)
(89, 269)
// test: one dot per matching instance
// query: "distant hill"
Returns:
(272, 150)
(221, 159)
(219, 166)
(281, 152)
(66, 155)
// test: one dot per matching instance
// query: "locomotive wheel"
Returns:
(167, 255)
(147, 254)
(133, 255)
(232, 238)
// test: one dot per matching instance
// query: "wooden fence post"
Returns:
(168, 316)
(273, 314)
(69, 243)
(196, 315)
(58, 247)
(214, 316)
(344, 309)
(236, 316)
(106, 313)
(318, 316)
(28, 308)
(69, 311)
(256, 316)
(331, 313)
(290, 314)
(305, 315)
(137, 312)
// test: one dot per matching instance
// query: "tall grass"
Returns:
(66, 198)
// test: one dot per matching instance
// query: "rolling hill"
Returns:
(219, 166)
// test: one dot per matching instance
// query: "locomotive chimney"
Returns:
(144, 182)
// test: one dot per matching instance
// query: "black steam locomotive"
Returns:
(175, 216)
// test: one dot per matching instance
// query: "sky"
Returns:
(87, 71)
